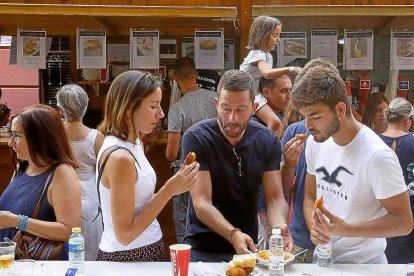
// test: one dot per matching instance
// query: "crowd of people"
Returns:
(250, 165)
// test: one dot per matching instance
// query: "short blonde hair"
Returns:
(260, 31)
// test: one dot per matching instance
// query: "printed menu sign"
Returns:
(91, 49)
(292, 45)
(187, 47)
(324, 45)
(402, 50)
(31, 49)
(209, 50)
(358, 50)
(229, 54)
(145, 49)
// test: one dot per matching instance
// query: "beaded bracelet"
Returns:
(23, 224)
(232, 233)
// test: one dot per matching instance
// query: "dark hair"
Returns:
(320, 85)
(235, 80)
(4, 114)
(184, 67)
(292, 114)
(270, 83)
(45, 136)
(373, 101)
(126, 93)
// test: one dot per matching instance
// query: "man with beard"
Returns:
(235, 155)
(359, 177)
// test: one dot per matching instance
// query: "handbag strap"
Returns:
(98, 179)
(47, 184)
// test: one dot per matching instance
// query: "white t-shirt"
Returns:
(352, 180)
(253, 57)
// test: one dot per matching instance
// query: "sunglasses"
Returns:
(239, 166)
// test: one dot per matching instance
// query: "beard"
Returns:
(332, 128)
(236, 133)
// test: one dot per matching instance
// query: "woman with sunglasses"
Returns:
(38, 138)
(399, 115)
(127, 182)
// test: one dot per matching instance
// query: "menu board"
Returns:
(209, 50)
(402, 50)
(91, 47)
(229, 54)
(187, 47)
(358, 50)
(31, 49)
(145, 52)
(324, 44)
(292, 45)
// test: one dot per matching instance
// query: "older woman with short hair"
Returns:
(400, 114)
(72, 100)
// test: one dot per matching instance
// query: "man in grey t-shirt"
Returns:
(195, 105)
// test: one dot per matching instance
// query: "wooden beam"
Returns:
(229, 13)
(104, 24)
(245, 16)
(333, 10)
(385, 27)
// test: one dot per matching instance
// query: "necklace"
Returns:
(35, 170)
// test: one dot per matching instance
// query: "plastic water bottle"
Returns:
(276, 259)
(77, 251)
(324, 254)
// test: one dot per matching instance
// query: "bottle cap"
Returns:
(276, 231)
(76, 230)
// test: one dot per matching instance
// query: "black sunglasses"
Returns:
(239, 166)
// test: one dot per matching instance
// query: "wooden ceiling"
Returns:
(63, 19)
(380, 18)
(58, 19)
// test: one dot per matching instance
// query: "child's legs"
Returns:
(266, 114)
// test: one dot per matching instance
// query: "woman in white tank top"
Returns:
(129, 205)
(72, 100)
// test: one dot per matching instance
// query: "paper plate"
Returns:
(289, 257)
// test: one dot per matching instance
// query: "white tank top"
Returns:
(84, 151)
(144, 191)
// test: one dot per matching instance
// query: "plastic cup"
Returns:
(23, 267)
(7, 251)
(180, 259)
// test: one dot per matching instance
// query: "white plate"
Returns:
(290, 257)
(256, 272)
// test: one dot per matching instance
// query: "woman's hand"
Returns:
(7, 219)
(184, 179)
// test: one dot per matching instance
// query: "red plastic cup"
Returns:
(180, 259)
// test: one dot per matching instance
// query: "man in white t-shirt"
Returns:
(359, 177)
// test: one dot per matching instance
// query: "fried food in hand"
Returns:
(301, 137)
(235, 271)
(319, 203)
(190, 158)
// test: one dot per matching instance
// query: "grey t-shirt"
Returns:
(190, 109)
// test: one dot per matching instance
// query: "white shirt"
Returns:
(352, 179)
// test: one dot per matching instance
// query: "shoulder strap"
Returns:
(100, 171)
(47, 184)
